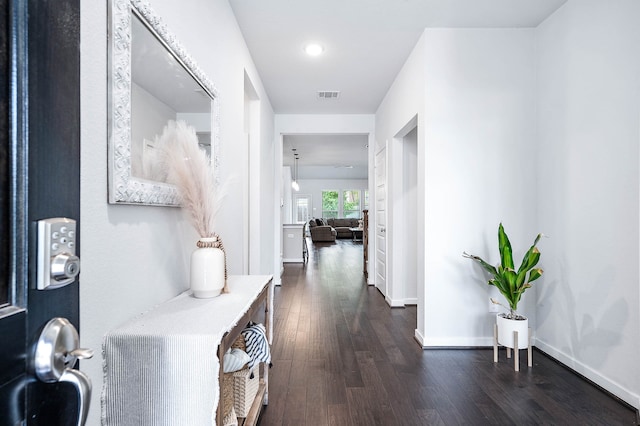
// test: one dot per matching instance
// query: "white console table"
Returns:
(163, 367)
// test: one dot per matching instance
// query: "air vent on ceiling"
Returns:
(325, 94)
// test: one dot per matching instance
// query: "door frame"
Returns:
(296, 197)
(397, 241)
(377, 231)
(44, 123)
(312, 124)
(13, 317)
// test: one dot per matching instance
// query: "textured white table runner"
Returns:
(161, 368)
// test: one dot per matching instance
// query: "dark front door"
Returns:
(39, 179)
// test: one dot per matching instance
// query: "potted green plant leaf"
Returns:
(511, 283)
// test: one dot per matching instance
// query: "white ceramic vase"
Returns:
(207, 269)
(506, 327)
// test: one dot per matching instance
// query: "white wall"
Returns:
(409, 259)
(400, 111)
(332, 172)
(538, 128)
(314, 187)
(200, 121)
(135, 257)
(258, 127)
(287, 195)
(480, 170)
(151, 117)
(588, 113)
(476, 129)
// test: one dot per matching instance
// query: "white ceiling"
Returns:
(324, 156)
(366, 43)
(326, 150)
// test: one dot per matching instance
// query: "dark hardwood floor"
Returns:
(341, 356)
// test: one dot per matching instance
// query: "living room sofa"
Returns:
(342, 225)
(320, 231)
(330, 229)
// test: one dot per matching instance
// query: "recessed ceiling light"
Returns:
(313, 49)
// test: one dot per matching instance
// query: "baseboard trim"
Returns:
(607, 385)
(394, 303)
(419, 338)
(457, 342)
(400, 303)
(293, 260)
(612, 388)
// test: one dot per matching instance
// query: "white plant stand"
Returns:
(516, 353)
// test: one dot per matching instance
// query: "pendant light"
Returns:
(294, 184)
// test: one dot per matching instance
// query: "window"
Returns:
(351, 203)
(329, 204)
(347, 203)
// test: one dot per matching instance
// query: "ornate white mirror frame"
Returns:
(124, 187)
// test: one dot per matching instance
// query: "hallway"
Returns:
(341, 356)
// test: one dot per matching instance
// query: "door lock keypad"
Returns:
(58, 264)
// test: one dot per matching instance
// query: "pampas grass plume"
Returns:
(189, 168)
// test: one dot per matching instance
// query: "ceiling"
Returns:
(321, 156)
(366, 43)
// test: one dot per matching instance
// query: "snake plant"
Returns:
(510, 282)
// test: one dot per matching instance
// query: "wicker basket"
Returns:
(230, 419)
(245, 389)
(227, 395)
(239, 343)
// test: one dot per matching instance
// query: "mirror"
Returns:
(151, 80)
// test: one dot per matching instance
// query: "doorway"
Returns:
(403, 252)
(322, 126)
(408, 217)
(251, 256)
(302, 208)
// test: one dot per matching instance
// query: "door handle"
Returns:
(56, 353)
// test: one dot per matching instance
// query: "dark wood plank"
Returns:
(278, 386)
(343, 357)
(295, 396)
(361, 409)
(376, 392)
(339, 414)
(316, 405)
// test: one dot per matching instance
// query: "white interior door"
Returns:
(381, 221)
(302, 207)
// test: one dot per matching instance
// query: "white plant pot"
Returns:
(506, 327)
(207, 269)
